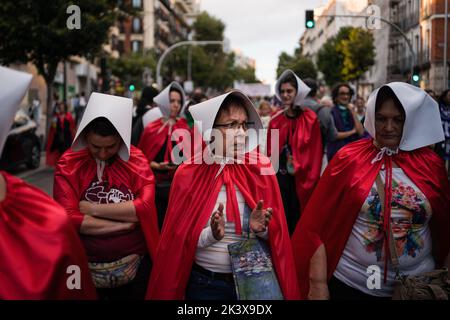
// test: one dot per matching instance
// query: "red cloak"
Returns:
(38, 244)
(52, 156)
(337, 200)
(135, 174)
(157, 133)
(192, 199)
(303, 134)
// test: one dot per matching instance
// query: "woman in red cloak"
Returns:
(299, 146)
(107, 189)
(60, 135)
(347, 231)
(41, 254)
(210, 196)
(162, 124)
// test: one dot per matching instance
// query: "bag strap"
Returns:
(437, 292)
(392, 247)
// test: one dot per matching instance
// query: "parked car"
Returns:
(23, 146)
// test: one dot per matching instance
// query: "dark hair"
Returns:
(197, 97)
(231, 100)
(312, 84)
(443, 96)
(289, 78)
(386, 93)
(335, 92)
(147, 95)
(173, 88)
(101, 126)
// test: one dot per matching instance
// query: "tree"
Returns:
(302, 66)
(330, 58)
(129, 68)
(359, 54)
(37, 31)
(211, 66)
(347, 56)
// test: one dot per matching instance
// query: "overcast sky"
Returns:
(262, 29)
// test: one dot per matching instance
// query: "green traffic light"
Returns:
(131, 87)
(416, 78)
(310, 24)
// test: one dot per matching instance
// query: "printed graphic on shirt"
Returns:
(102, 193)
(408, 216)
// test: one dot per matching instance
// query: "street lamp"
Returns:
(179, 44)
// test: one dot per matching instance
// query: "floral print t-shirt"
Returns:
(410, 216)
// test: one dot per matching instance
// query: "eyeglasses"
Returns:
(235, 125)
(347, 93)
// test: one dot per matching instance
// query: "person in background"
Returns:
(360, 108)
(145, 104)
(326, 101)
(265, 112)
(348, 126)
(157, 142)
(443, 147)
(432, 94)
(35, 112)
(299, 146)
(327, 127)
(60, 136)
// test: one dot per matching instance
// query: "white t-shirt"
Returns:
(212, 254)
(410, 216)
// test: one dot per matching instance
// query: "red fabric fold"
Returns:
(303, 134)
(38, 245)
(157, 133)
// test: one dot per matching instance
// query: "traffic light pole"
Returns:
(176, 45)
(413, 63)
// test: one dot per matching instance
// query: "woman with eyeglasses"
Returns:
(299, 146)
(225, 194)
(349, 127)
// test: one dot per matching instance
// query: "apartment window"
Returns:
(417, 45)
(137, 25)
(137, 3)
(428, 44)
(136, 46)
(120, 46)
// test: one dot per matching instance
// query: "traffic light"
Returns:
(416, 75)
(309, 19)
(131, 87)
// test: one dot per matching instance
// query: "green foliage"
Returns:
(359, 54)
(129, 68)
(211, 66)
(347, 56)
(36, 31)
(302, 66)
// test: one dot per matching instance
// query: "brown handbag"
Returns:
(433, 285)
